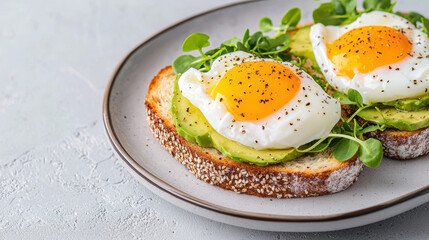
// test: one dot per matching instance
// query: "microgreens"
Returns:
(341, 12)
(347, 137)
(379, 5)
(288, 22)
(258, 44)
(413, 17)
(425, 24)
(195, 41)
(335, 12)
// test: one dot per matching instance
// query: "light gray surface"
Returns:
(58, 175)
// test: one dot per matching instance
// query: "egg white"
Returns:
(407, 78)
(310, 115)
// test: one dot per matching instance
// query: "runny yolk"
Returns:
(255, 90)
(364, 49)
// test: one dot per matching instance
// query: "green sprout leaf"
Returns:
(212, 51)
(284, 57)
(322, 82)
(263, 44)
(232, 42)
(347, 127)
(246, 36)
(327, 14)
(371, 152)
(316, 68)
(380, 5)
(291, 18)
(241, 47)
(265, 24)
(339, 7)
(340, 12)
(345, 7)
(355, 96)
(195, 41)
(344, 99)
(323, 146)
(413, 17)
(350, 6)
(253, 39)
(368, 129)
(345, 149)
(184, 62)
(316, 146)
(425, 23)
(279, 40)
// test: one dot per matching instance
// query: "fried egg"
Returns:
(381, 55)
(261, 103)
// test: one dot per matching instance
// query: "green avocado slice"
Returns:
(392, 117)
(193, 126)
(300, 44)
(409, 104)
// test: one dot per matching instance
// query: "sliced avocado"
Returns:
(187, 119)
(300, 44)
(392, 117)
(410, 104)
(193, 126)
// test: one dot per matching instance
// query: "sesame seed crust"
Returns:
(306, 176)
(398, 144)
(403, 145)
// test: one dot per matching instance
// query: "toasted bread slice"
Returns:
(403, 145)
(312, 175)
(398, 144)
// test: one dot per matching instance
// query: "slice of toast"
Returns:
(403, 145)
(311, 175)
(398, 144)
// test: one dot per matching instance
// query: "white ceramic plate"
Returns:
(392, 188)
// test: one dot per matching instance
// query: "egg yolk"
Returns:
(364, 49)
(255, 90)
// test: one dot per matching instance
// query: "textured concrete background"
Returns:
(59, 178)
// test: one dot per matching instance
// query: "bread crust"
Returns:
(403, 145)
(207, 164)
(398, 144)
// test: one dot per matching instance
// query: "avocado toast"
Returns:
(325, 165)
(393, 82)
(305, 176)
(405, 133)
